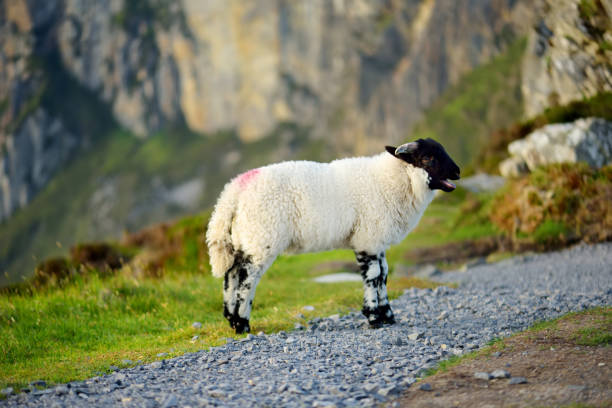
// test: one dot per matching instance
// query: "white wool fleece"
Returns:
(364, 203)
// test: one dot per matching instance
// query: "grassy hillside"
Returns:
(129, 177)
(484, 100)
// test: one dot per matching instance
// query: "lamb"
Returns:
(366, 204)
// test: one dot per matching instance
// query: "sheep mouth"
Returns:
(447, 185)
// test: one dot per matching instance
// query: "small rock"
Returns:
(162, 354)
(500, 374)
(113, 368)
(426, 387)
(7, 391)
(386, 390)
(194, 338)
(443, 315)
(196, 325)
(323, 404)
(215, 393)
(517, 380)
(370, 387)
(61, 390)
(308, 308)
(170, 401)
(415, 335)
(127, 362)
(481, 375)
(408, 381)
(298, 326)
(398, 341)
(496, 354)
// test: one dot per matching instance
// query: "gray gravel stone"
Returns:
(196, 325)
(170, 401)
(482, 375)
(415, 335)
(426, 387)
(517, 380)
(500, 374)
(339, 361)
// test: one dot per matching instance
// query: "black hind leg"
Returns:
(239, 291)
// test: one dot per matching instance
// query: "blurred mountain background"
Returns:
(117, 114)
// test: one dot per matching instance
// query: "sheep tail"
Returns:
(218, 234)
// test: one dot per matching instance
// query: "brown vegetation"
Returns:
(558, 203)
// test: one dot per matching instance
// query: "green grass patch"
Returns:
(60, 335)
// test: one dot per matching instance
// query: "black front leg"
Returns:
(375, 303)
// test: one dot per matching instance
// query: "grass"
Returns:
(487, 98)
(60, 335)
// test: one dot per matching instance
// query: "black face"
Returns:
(431, 157)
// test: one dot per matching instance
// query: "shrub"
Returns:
(557, 203)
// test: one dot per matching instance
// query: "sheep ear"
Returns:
(390, 150)
(407, 148)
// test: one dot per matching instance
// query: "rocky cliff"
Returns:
(569, 53)
(357, 72)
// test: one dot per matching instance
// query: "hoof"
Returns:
(241, 325)
(388, 320)
(375, 323)
(386, 315)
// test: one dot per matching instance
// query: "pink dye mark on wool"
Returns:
(245, 178)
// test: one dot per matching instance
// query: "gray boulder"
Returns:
(588, 140)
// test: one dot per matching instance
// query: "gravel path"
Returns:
(337, 361)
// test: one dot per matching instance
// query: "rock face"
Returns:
(569, 53)
(32, 155)
(356, 67)
(587, 140)
(33, 144)
(358, 72)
